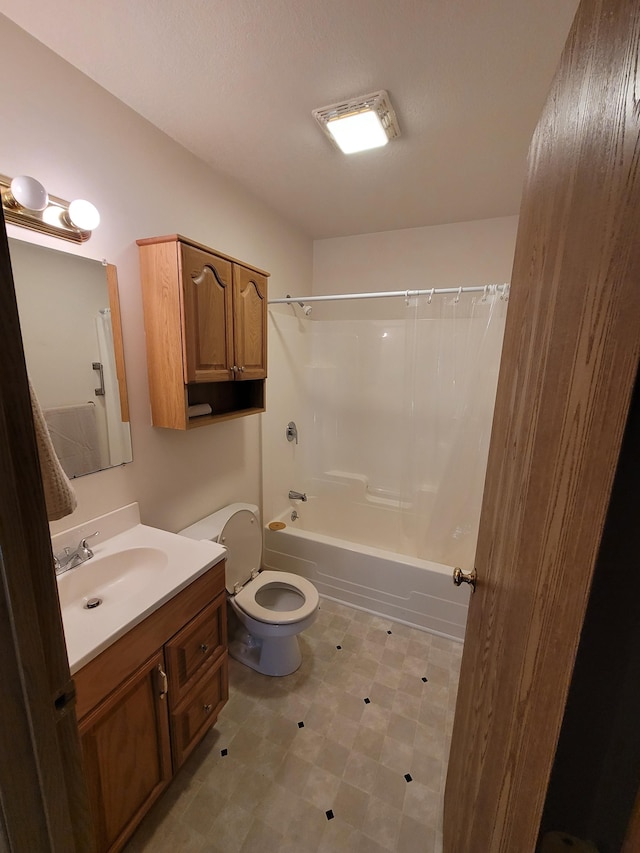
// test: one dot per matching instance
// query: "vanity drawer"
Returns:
(198, 644)
(199, 709)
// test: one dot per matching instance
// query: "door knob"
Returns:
(459, 577)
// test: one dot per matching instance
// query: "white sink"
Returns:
(135, 569)
(109, 579)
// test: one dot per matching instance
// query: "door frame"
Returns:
(42, 791)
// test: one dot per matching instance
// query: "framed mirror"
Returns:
(70, 321)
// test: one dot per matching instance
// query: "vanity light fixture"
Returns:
(359, 124)
(26, 202)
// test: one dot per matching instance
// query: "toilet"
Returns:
(268, 609)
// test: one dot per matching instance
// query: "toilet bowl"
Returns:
(267, 609)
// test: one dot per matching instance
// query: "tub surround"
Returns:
(89, 632)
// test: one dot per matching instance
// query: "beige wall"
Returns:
(462, 253)
(81, 142)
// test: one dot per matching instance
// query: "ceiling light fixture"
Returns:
(26, 202)
(359, 124)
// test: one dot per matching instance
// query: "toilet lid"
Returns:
(246, 598)
(242, 536)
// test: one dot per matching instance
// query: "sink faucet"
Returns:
(297, 496)
(69, 559)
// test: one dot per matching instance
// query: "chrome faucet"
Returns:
(69, 559)
(297, 496)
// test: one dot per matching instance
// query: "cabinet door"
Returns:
(208, 318)
(127, 753)
(250, 323)
(199, 643)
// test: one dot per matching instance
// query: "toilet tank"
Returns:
(237, 527)
(210, 527)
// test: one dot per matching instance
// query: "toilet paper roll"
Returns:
(198, 410)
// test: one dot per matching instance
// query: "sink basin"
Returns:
(135, 569)
(112, 578)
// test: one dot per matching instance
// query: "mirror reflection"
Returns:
(70, 320)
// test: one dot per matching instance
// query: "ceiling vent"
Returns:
(365, 122)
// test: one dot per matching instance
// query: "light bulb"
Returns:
(83, 215)
(29, 193)
(359, 131)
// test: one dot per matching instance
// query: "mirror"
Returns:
(70, 321)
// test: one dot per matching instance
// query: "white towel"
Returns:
(74, 433)
(199, 409)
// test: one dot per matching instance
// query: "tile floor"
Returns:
(347, 754)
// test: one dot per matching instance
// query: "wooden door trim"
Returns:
(41, 784)
(570, 356)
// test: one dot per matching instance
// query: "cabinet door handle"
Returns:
(204, 648)
(241, 369)
(207, 708)
(163, 678)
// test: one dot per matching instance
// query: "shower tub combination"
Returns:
(401, 395)
(325, 545)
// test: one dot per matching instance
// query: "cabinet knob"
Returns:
(207, 708)
(241, 369)
(204, 648)
(235, 368)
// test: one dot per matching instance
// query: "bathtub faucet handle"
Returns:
(292, 432)
(297, 496)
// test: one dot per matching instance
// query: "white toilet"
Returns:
(272, 608)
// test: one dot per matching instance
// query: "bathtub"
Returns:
(407, 589)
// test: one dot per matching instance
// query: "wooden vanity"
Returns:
(146, 701)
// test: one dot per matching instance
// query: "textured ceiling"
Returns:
(235, 81)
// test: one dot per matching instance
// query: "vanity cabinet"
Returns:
(139, 721)
(206, 332)
(126, 750)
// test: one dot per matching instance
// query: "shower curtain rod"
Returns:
(503, 289)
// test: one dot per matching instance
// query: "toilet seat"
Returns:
(246, 598)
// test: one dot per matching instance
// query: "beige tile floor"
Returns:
(378, 767)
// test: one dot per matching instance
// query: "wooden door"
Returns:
(570, 355)
(208, 318)
(250, 323)
(127, 753)
(42, 789)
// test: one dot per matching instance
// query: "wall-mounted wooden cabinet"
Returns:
(206, 330)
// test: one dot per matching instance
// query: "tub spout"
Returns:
(297, 496)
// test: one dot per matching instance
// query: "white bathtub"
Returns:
(404, 588)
